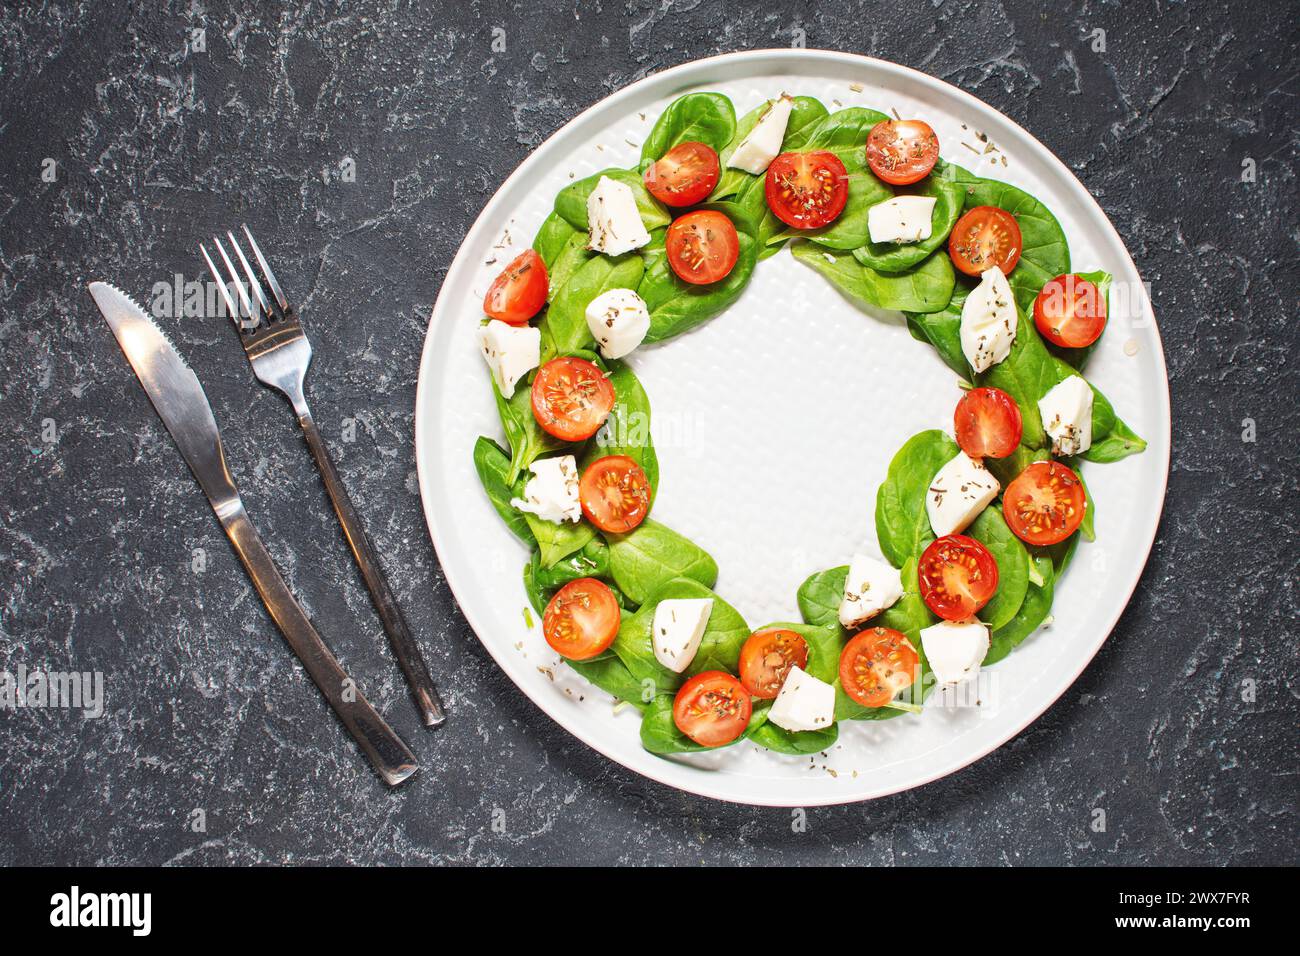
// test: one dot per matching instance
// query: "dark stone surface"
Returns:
(155, 146)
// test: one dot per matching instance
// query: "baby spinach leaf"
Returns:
(570, 259)
(902, 524)
(1045, 253)
(1119, 443)
(627, 430)
(1027, 374)
(843, 133)
(707, 118)
(849, 230)
(571, 203)
(1111, 438)
(566, 320)
(557, 540)
(923, 288)
(527, 439)
(612, 676)
(1005, 470)
(820, 595)
(895, 257)
(651, 555)
(591, 561)
(553, 235)
(659, 734)
(942, 329)
(719, 649)
(798, 743)
(990, 529)
(1033, 611)
(676, 306)
(493, 467)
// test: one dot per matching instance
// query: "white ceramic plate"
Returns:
(774, 424)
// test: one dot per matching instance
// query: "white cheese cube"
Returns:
(678, 628)
(763, 144)
(958, 493)
(988, 321)
(1067, 416)
(871, 586)
(805, 703)
(901, 219)
(618, 320)
(512, 351)
(955, 649)
(613, 221)
(552, 492)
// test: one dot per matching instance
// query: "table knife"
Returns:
(181, 403)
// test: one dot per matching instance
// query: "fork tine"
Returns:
(266, 270)
(234, 277)
(221, 284)
(253, 282)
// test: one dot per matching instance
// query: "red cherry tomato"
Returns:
(767, 657)
(1070, 312)
(902, 151)
(807, 190)
(702, 247)
(686, 175)
(988, 423)
(571, 398)
(1045, 504)
(876, 664)
(712, 708)
(958, 576)
(615, 494)
(582, 619)
(985, 237)
(519, 292)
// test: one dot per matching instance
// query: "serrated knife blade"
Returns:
(181, 403)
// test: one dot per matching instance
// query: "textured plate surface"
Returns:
(774, 425)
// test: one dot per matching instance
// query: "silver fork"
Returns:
(280, 352)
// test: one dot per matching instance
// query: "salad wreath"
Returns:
(973, 532)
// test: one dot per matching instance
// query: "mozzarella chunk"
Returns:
(805, 703)
(619, 321)
(678, 628)
(763, 144)
(511, 352)
(958, 493)
(552, 492)
(613, 221)
(988, 321)
(901, 219)
(871, 586)
(955, 649)
(1067, 416)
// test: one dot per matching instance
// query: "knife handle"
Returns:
(387, 753)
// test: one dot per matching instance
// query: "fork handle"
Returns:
(403, 643)
(387, 753)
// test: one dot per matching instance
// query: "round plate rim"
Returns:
(665, 771)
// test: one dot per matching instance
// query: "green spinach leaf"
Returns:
(493, 467)
(990, 529)
(565, 321)
(799, 743)
(942, 329)
(1033, 611)
(895, 257)
(707, 118)
(923, 288)
(558, 540)
(627, 430)
(804, 112)
(902, 524)
(651, 555)
(527, 439)
(612, 676)
(659, 734)
(571, 203)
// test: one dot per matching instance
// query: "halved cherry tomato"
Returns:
(988, 423)
(1070, 312)
(686, 175)
(958, 576)
(876, 664)
(1044, 504)
(582, 619)
(712, 708)
(571, 398)
(767, 657)
(902, 151)
(519, 292)
(615, 494)
(985, 237)
(702, 247)
(807, 190)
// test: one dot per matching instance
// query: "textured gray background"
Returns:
(155, 147)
